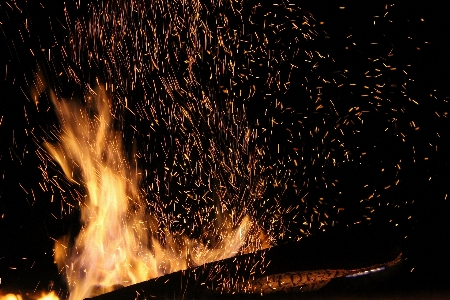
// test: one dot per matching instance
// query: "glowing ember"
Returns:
(119, 242)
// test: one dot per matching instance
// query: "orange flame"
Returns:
(44, 296)
(117, 244)
(49, 296)
(10, 297)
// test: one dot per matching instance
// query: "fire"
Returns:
(49, 296)
(119, 243)
(11, 297)
(44, 296)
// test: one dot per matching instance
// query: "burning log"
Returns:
(304, 266)
(310, 280)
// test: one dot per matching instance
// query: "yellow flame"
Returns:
(117, 245)
(49, 296)
(10, 297)
(44, 296)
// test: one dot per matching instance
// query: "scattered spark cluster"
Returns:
(239, 107)
(201, 82)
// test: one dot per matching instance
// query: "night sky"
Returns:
(389, 63)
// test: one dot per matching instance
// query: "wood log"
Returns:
(301, 266)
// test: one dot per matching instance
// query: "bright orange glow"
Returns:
(118, 244)
(49, 296)
(10, 297)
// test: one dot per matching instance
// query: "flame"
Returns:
(49, 296)
(118, 244)
(10, 297)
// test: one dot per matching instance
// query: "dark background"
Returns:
(30, 221)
